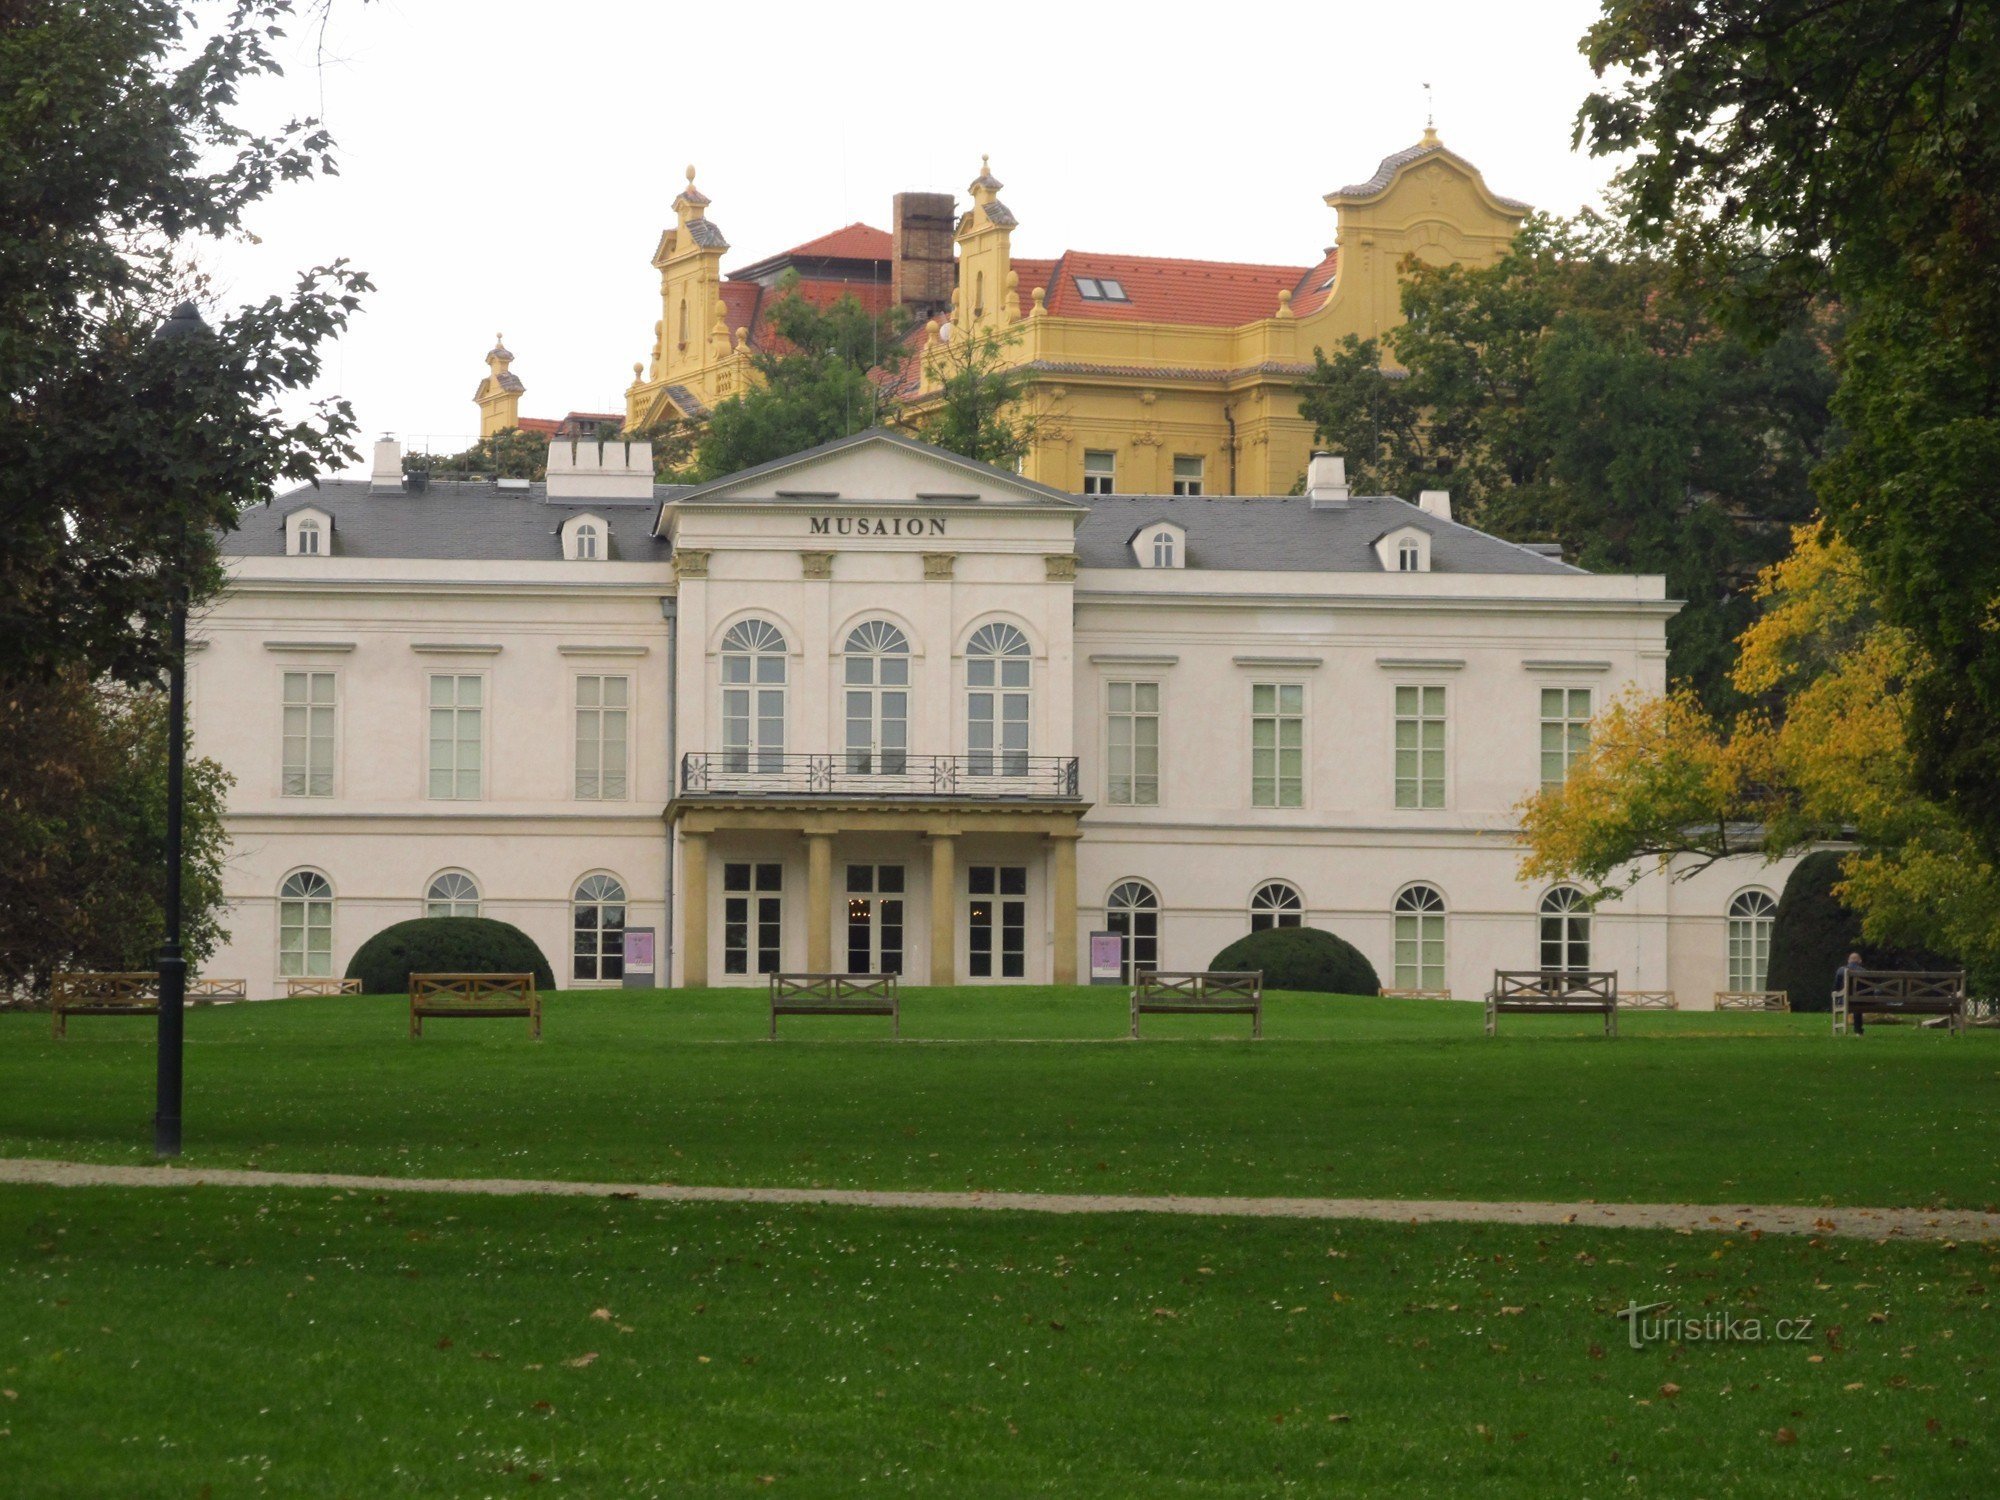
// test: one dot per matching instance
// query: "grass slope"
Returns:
(311, 1343)
(1346, 1097)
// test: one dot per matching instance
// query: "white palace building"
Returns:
(877, 707)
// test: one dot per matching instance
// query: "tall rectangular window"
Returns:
(1277, 744)
(457, 713)
(753, 909)
(1100, 471)
(1565, 731)
(1132, 744)
(1187, 474)
(996, 927)
(308, 757)
(1419, 746)
(601, 746)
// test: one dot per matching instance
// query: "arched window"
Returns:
(1132, 910)
(309, 538)
(1276, 904)
(1750, 914)
(586, 542)
(1163, 549)
(1419, 939)
(1409, 557)
(597, 929)
(1565, 929)
(753, 697)
(996, 706)
(878, 700)
(452, 894)
(305, 926)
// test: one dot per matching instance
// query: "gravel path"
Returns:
(1860, 1223)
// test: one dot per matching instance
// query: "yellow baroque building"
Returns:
(1147, 374)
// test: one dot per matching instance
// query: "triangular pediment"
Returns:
(872, 469)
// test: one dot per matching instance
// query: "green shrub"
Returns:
(1302, 958)
(446, 945)
(1813, 931)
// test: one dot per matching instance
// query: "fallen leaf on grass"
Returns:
(1165, 1312)
(602, 1314)
(1670, 1390)
(445, 1342)
(1784, 1437)
(582, 1361)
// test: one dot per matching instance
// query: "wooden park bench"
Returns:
(835, 995)
(1414, 994)
(1648, 1000)
(84, 994)
(218, 989)
(297, 987)
(1199, 992)
(1553, 992)
(435, 996)
(1752, 1000)
(1900, 992)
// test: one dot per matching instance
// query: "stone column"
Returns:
(1062, 903)
(944, 902)
(694, 910)
(819, 903)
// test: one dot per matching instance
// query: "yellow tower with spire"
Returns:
(499, 394)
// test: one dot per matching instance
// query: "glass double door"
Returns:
(875, 919)
(996, 927)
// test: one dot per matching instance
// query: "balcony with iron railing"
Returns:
(979, 776)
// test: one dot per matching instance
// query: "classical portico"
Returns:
(873, 716)
(828, 841)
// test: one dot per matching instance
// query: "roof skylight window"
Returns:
(1101, 289)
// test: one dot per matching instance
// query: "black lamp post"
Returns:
(185, 323)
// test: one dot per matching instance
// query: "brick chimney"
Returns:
(923, 271)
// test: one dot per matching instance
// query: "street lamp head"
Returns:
(183, 322)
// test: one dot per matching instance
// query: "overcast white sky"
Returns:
(508, 166)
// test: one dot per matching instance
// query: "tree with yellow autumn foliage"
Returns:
(1667, 786)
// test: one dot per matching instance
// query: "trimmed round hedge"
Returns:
(1813, 931)
(1302, 958)
(446, 945)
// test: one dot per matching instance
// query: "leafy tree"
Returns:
(816, 383)
(507, 454)
(978, 410)
(83, 823)
(123, 459)
(1570, 393)
(1797, 150)
(1664, 779)
(1364, 414)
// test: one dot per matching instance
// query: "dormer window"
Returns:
(308, 533)
(586, 538)
(1100, 289)
(1406, 549)
(1163, 544)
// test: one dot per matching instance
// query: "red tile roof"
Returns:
(545, 426)
(857, 241)
(1221, 294)
(1317, 284)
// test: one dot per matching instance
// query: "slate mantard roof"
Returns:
(465, 520)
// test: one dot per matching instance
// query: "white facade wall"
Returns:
(777, 548)
(382, 628)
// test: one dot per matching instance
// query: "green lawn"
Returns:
(227, 1342)
(1344, 1097)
